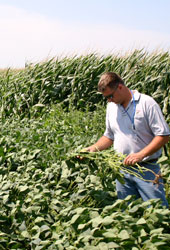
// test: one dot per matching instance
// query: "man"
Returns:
(136, 127)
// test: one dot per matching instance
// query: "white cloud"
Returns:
(30, 37)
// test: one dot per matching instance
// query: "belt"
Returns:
(152, 160)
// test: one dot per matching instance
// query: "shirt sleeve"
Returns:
(157, 121)
(108, 131)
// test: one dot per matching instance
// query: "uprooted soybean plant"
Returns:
(50, 199)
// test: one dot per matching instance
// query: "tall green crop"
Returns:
(73, 81)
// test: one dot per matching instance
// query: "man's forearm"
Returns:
(157, 143)
(103, 143)
(151, 148)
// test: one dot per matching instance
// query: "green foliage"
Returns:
(73, 81)
(50, 200)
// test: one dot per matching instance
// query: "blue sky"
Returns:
(34, 30)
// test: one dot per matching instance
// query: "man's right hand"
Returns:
(88, 149)
(102, 144)
(91, 149)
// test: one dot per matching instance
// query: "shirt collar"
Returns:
(136, 95)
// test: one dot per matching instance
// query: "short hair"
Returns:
(109, 79)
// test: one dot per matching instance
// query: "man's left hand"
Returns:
(132, 159)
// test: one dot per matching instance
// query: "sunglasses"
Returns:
(111, 95)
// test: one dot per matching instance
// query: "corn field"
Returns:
(73, 81)
(49, 199)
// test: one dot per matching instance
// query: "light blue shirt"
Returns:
(148, 120)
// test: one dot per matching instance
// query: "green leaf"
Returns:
(39, 219)
(55, 236)
(2, 151)
(143, 233)
(124, 235)
(107, 220)
(165, 237)
(112, 245)
(25, 234)
(6, 186)
(39, 105)
(80, 210)
(110, 233)
(33, 154)
(97, 221)
(36, 241)
(93, 214)
(162, 159)
(141, 221)
(82, 226)
(23, 188)
(110, 207)
(102, 246)
(23, 226)
(44, 228)
(157, 231)
(74, 218)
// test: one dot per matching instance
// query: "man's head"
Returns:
(109, 79)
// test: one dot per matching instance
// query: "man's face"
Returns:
(111, 94)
